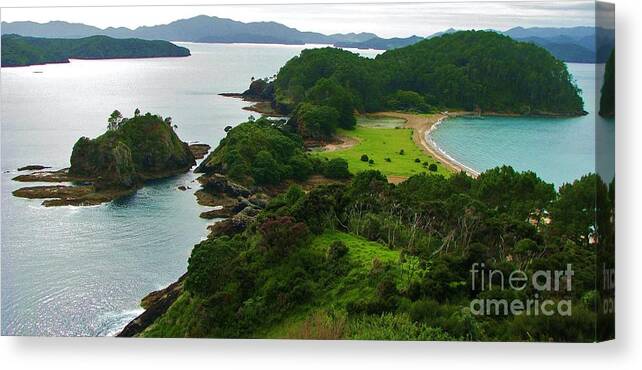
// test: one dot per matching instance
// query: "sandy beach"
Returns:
(421, 125)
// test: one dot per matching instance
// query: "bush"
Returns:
(315, 121)
(282, 235)
(337, 250)
(301, 167)
(265, 169)
(408, 101)
(371, 162)
(402, 152)
(387, 159)
(364, 158)
(432, 167)
(337, 168)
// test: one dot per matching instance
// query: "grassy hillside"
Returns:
(372, 260)
(22, 51)
(380, 144)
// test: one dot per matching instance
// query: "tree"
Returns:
(137, 112)
(573, 214)
(265, 169)
(330, 93)
(282, 235)
(337, 168)
(315, 121)
(114, 120)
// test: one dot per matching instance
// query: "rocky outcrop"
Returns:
(155, 304)
(217, 183)
(51, 176)
(199, 150)
(64, 195)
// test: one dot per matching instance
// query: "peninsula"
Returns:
(20, 51)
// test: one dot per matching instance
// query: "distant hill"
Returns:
(570, 44)
(22, 51)
(201, 28)
(380, 43)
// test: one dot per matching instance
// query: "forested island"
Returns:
(475, 71)
(23, 51)
(115, 164)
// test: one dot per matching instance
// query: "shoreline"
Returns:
(423, 125)
(443, 155)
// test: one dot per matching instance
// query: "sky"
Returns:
(386, 20)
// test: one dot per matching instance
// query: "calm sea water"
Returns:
(83, 270)
(559, 150)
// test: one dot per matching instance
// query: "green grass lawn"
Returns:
(381, 143)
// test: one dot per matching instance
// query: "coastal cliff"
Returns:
(141, 148)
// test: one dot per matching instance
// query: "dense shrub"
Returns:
(337, 168)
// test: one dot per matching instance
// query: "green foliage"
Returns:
(132, 150)
(573, 214)
(461, 70)
(337, 168)
(315, 121)
(384, 261)
(393, 327)
(329, 93)
(607, 98)
(281, 235)
(266, 170)
(258, 152)
(407, 101)
(22, 51)
(337, 250)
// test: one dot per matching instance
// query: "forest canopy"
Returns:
(23, 51)
(466, 70)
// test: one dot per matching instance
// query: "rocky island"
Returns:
(115, 164)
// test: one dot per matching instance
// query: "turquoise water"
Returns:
(559, 150)
(83, 270)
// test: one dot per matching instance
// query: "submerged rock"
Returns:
(33, 167)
